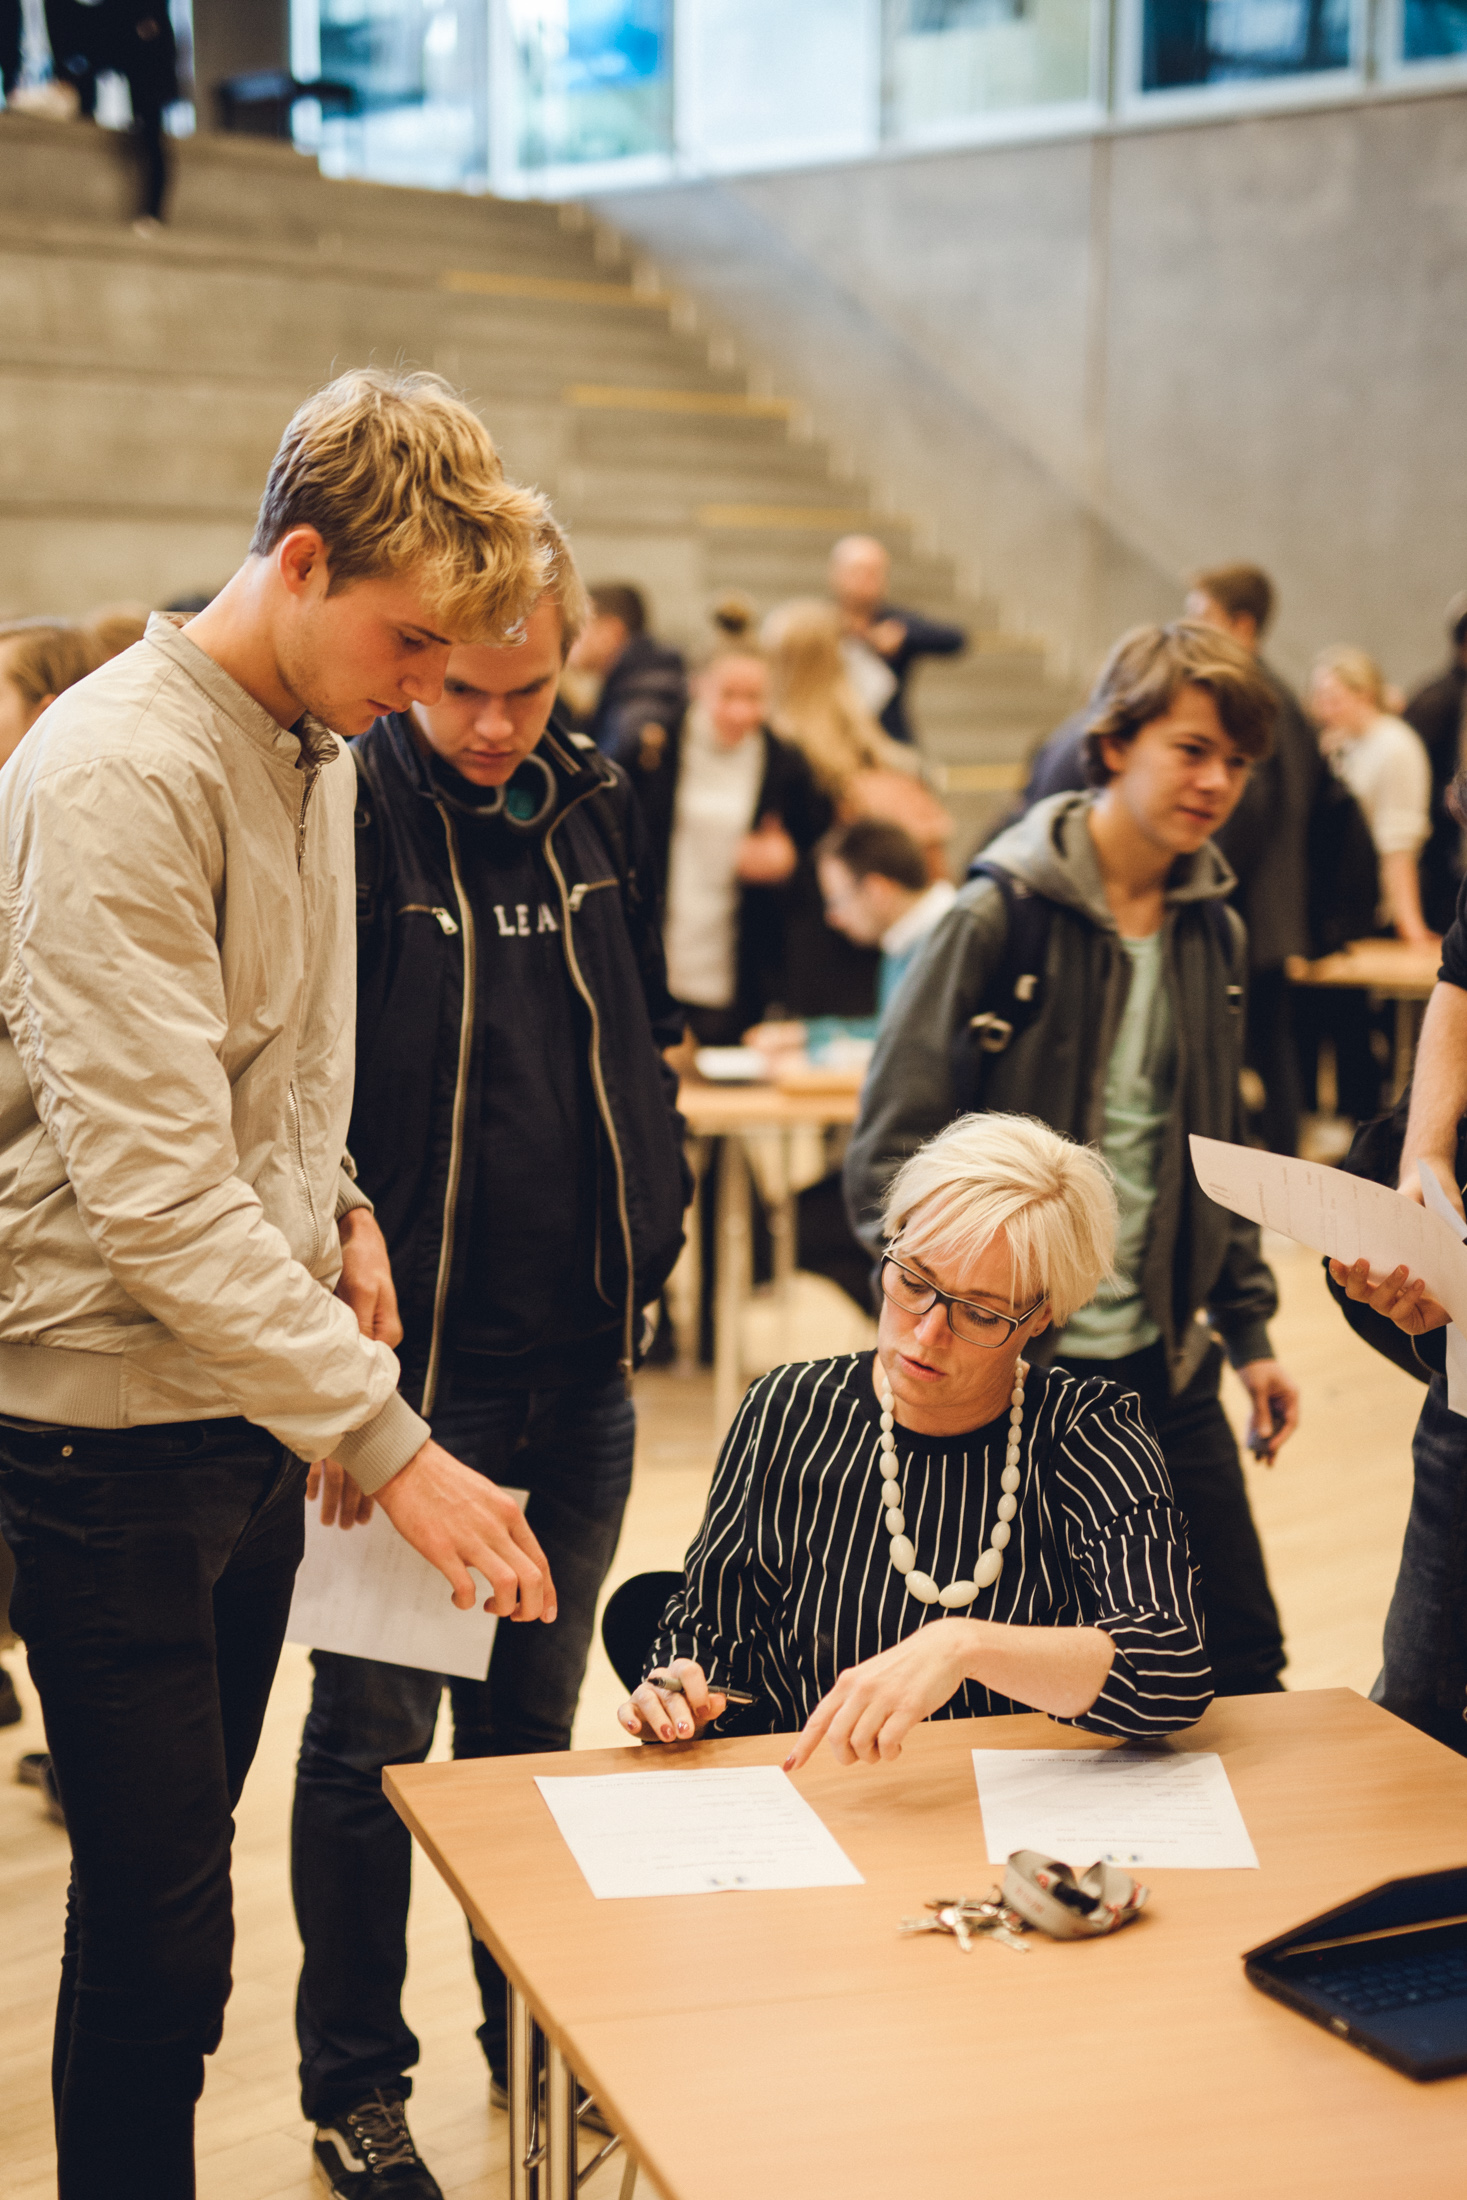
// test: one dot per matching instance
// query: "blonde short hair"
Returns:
(400, 479)
(1053, 1200)
(1355, 669)
(563, 583)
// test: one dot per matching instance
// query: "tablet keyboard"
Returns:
(1396, 1982)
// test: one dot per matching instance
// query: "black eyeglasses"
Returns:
(980, 1325)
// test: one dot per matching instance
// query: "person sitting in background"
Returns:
(1092, 975)
(1436, 711)
(1384, 764)
(731, 809)
(644, 684)
(941, 1529)
(882, 643)
(39, 660)
(877, 891)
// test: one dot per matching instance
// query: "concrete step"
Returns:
(145, 383)
(235, 189)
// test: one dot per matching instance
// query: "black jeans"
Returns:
(1244, 1640)
(351, 1855)
(1424, 1679)
(154, 1569)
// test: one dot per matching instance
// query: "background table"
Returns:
(1394, 969)
(738, 1114)
(773, 2044)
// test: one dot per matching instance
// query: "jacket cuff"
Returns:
(349, 1194)
(1249, 1343)
(382, 1447)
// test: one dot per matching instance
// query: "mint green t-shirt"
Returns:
(1138, 1096)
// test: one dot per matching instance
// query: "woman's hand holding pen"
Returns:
(678, 1713)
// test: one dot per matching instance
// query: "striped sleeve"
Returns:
(715, 1615)
(1132, 1572)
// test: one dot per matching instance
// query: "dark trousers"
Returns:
(154, 1569)
(351, 1854)
(1424, 1680)
(1269, 1048)
(1244, 1640)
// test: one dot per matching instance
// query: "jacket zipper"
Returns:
(313, 773)
(568, 909)
(446, 924)
(460, 1097)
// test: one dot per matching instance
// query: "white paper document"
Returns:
(363, 1592)
(743, 1827)
(1136, 1808)
(1350, 1218)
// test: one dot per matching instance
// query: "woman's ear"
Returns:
(1041, 1321)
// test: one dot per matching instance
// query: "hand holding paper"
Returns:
(1406, 1261)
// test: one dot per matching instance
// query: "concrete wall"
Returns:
(1095, 364)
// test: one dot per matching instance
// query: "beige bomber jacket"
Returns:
(177, 1033)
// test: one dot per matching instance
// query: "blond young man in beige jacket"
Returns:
(195, 1300)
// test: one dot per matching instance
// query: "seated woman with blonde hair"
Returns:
(942, 1528)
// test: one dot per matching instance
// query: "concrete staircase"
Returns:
(144, 382)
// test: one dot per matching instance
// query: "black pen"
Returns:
(715, 1688)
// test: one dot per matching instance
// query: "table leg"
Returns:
(685, 1284)
(782, 1225)
(526, 2052)
(560, 2126)
(732, 1281)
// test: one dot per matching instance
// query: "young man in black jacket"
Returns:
(516, 1127)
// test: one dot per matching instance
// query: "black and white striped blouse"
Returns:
(789, 1580)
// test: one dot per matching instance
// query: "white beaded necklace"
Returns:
(903, 1551)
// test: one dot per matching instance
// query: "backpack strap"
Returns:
(1014, 994)
(1231, 937)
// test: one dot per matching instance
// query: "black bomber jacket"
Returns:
(419, 1061)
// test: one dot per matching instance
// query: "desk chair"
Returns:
(631, 1619)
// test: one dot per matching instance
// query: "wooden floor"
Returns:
(1331, 1516)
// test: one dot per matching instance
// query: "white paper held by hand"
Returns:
(1348, 1217)
(737, 1828)
(1136, 1808)
(366, 1593)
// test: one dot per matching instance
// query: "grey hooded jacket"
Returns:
(1197, 1255)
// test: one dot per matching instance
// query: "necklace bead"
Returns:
(920, 1585)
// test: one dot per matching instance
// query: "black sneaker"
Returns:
(368, 2152)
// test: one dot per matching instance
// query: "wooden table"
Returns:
(792, 2044)
(1396, 971)
(740, 1115)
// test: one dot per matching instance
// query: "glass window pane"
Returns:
(950, 58)
(763, 80)
(1232, 41)
(593, 79)
(419, 70)
(1433, 30)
